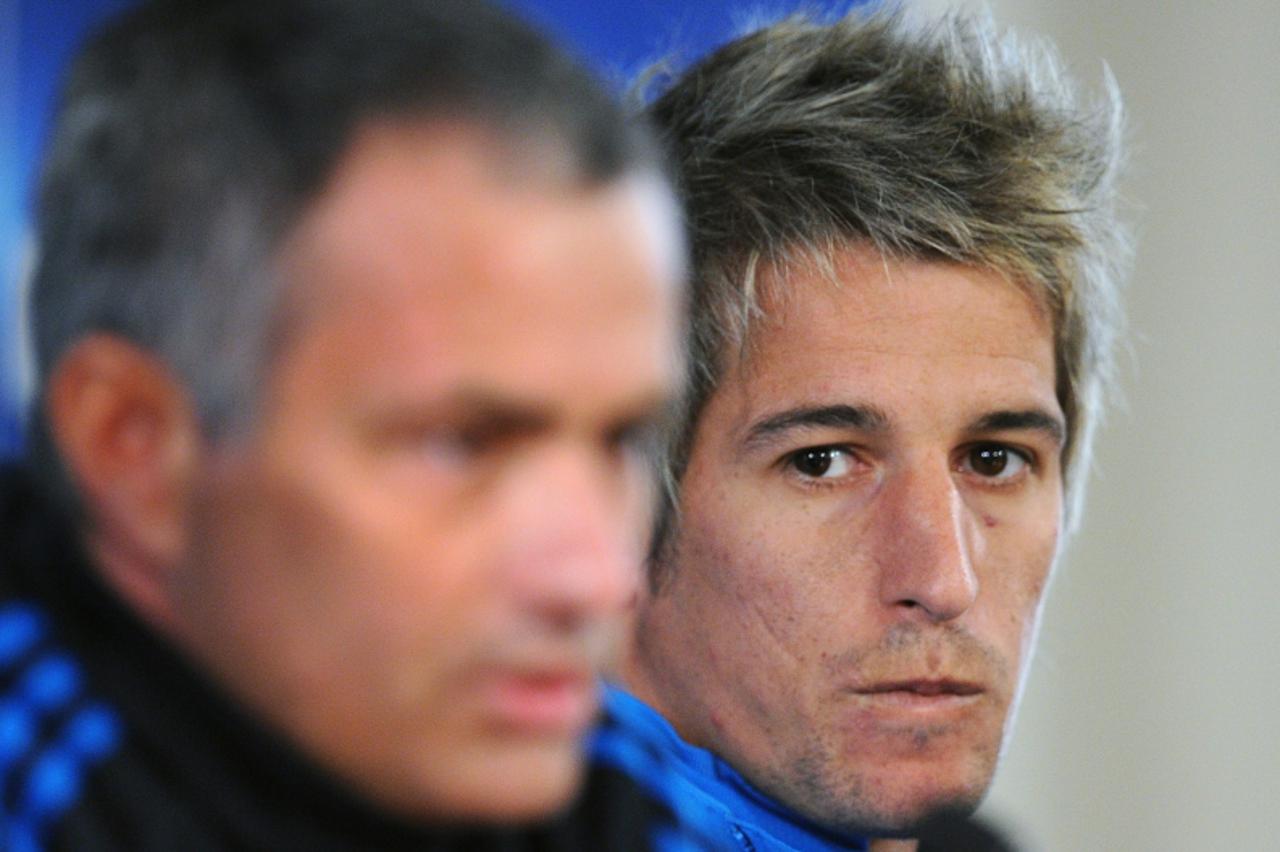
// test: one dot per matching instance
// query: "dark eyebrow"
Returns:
(495, 414)
(864, 418)
(500, 415)
(1032, 419)
(506, 411)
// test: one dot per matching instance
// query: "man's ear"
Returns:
(128, 434)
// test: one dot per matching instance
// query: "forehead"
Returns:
(405, 192)
(433, 243)
(903, 330)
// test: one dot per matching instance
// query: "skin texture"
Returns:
(415, 559)
(869, 518)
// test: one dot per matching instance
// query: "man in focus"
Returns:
(351, 321)
(905, 264)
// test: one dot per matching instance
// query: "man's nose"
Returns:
(578, 555)
(928, 544)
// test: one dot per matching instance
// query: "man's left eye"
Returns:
(995, 461)
(822, 463)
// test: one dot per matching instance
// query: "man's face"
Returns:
(413, 561)
(869, 517)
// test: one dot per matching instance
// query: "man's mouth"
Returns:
(922, 693)
(554, 701)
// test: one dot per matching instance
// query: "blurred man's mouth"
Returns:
(551, 701)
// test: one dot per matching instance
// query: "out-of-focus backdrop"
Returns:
(1148, 722)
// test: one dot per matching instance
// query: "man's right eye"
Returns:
(822, 462)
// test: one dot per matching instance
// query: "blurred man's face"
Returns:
(869, 517)
(414, 560)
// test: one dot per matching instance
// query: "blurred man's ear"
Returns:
(130, 440)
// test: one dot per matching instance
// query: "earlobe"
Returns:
(129, 437)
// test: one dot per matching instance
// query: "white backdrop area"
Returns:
(1150, 720)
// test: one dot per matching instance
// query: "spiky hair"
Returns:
(944, 141)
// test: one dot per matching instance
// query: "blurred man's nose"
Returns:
(582, 534)
(928, 544)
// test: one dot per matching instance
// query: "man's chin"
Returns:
(530, 786)
(513, 783)
(902, 797)
(881, 813)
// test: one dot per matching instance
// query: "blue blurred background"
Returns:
(37, 38)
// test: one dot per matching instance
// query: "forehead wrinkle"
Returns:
(843, 348)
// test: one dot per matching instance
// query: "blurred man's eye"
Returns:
(446, 445)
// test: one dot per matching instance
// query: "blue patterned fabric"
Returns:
(52, 734)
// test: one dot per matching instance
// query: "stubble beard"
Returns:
(823, 782)
(850, 801)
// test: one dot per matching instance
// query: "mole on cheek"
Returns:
(989, 520)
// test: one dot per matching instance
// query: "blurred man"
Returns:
(351, 320)
(905, 263)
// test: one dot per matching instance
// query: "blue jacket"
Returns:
(716, 798)
(110, 741)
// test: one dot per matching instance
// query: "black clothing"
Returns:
(111, 741)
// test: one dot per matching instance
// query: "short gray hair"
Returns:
(946, 141)
(191, 138)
